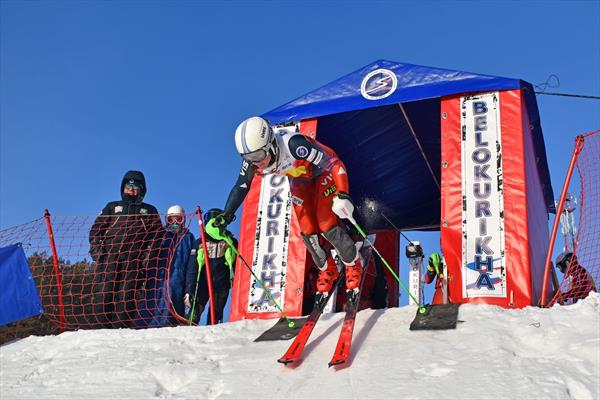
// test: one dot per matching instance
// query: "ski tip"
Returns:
(333, 363)
(285, 361)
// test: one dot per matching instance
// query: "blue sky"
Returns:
(89, 90)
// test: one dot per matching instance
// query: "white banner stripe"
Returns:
(483, 271)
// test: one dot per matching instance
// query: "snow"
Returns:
(494, 354)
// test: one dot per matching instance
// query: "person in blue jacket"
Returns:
(166, 284)
(183, 239)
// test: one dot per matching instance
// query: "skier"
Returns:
(581, 281)
(319, 187)
(121, 240)
(222, 266)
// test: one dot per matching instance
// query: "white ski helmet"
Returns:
(254, 140)
(176, 210)
(175, 215)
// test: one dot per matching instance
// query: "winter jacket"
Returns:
(166, 279)
(122, 240)
(127, 227)
(222, 265)
(581, 284)
(179, 262)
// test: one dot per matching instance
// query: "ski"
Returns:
(295, 350)
(342, 350)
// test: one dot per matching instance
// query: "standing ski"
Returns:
(295, 350)
(342, 350)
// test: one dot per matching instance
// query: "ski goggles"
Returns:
(255, 156)
(209, 215)
(175, 219)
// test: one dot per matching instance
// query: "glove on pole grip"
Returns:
(227, 239)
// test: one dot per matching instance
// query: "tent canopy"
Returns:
(386, 129)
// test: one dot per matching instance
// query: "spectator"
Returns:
(164, 293)
(121, 239)
(435, 268)
(581, 281)
(180, 236)
(222, 263)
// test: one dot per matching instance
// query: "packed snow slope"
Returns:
(495, 353)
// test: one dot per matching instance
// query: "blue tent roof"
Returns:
(414, 82)
(360, 119)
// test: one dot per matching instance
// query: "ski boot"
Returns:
(327, 277)
(354, 275)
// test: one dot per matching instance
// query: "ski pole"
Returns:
(215, 231)
(422, 309)
(396, 228)
(195, 296)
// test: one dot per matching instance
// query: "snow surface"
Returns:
(495, 353)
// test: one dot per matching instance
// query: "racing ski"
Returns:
(295, 350)
(342, 350)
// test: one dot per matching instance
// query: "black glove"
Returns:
(344, 196)
(224, 219)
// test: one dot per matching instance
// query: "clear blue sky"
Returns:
(89, 90)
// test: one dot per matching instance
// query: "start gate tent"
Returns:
(429, 148)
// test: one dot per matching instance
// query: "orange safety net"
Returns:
(582, 274)
(109, 272)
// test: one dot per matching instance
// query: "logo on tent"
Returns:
(378, 84)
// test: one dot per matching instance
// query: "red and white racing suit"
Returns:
(316, 175)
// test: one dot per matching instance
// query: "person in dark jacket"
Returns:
(222, 266)
(581, 283)
(122, 239)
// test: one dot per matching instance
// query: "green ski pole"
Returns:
(213, 231)
(422, 309)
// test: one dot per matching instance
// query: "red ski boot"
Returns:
(354, 275)
(327, 277)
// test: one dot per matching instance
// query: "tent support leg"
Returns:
(419, 144)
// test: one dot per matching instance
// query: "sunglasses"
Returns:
(132, 186)
(255, 156)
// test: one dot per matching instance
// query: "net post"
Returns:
(206, 261)
(578, 146)
(57, 273)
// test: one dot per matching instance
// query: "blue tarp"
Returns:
(19, 297)
(387, 171)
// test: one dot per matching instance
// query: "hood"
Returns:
(138, 178)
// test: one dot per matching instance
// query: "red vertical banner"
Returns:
(516, 228)
(388, 244)
(241, 288)
(516, 224)
(451, 207)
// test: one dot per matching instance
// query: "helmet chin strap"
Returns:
(274, 150)
(273, 153)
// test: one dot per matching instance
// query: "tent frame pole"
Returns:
(420, 147)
